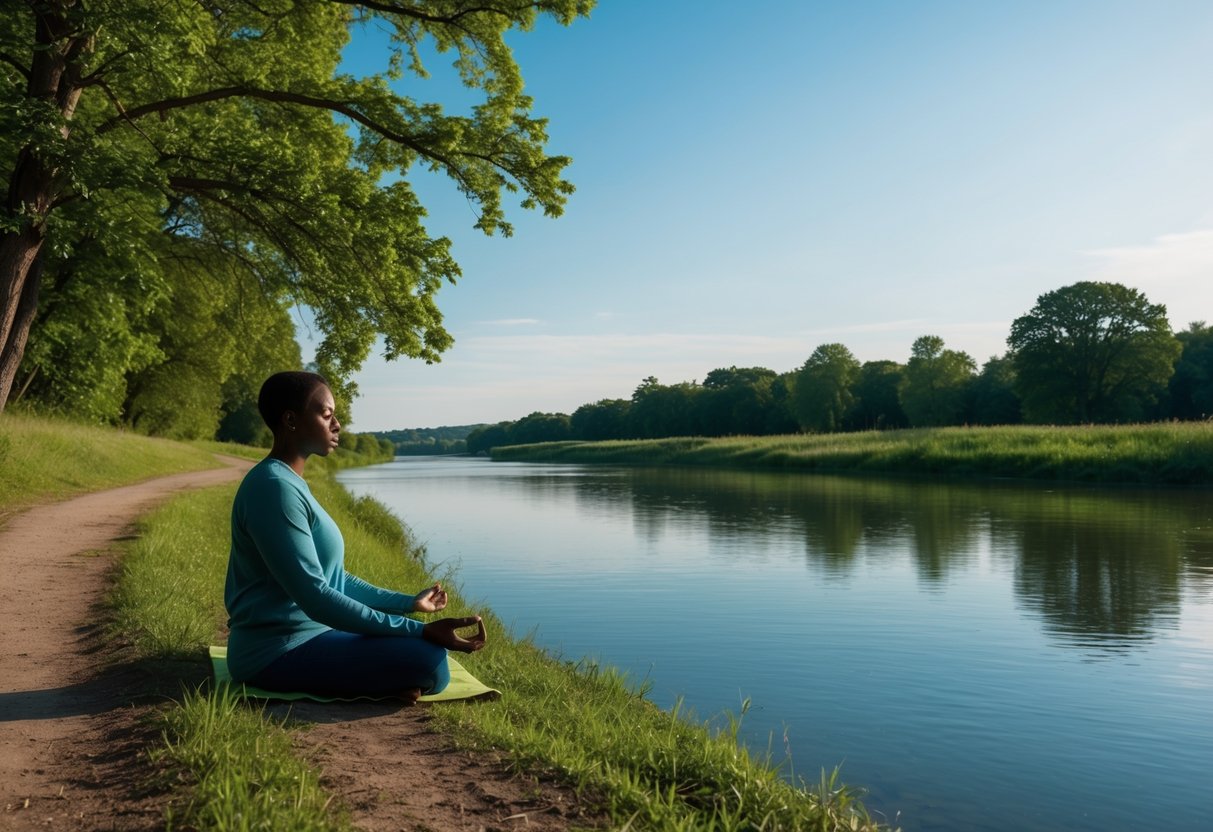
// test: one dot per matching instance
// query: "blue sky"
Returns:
(754, 180)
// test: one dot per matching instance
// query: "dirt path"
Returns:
(72, 726)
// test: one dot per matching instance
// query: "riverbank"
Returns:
(1173, 453)
(579, 732)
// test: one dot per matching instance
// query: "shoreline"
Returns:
(1169, 454)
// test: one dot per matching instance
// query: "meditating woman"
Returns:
(298, 620)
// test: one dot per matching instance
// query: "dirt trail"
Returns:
(72, 726)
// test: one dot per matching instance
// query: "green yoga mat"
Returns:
(463, 685)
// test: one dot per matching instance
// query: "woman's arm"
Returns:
(376, 597)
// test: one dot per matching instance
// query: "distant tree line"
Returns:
(449, 439)
(1086, 353)
(368, 445)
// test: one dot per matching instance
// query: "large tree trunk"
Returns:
(29, 189)
(13, 348)
(54, 76)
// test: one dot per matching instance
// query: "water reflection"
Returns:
(1098, 568)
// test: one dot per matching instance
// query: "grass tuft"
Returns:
(241, 769)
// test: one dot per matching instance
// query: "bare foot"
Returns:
(411, 695)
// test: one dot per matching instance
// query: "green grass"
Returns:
(240, 769)
(44, 459)
(1172, 453)
(583, 724)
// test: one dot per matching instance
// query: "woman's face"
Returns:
(316, 428)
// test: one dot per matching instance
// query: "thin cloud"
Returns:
(1174, 269)
(1170, 259)
(513, 322)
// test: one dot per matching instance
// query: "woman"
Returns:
(298, 620)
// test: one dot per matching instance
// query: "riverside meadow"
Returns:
(1169, 453)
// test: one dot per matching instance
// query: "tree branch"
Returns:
(109, 93)
(288, 98)
(15, 64)
(426, 17)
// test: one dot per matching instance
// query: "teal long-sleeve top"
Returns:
(286, 578)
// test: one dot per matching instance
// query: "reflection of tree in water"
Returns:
(1100, 571)
(1099, 566)
(836, 517)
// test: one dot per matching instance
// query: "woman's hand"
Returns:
(430, 600)
(442, 632)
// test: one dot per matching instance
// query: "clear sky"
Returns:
(754, 180)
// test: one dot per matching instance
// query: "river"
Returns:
(978, 656)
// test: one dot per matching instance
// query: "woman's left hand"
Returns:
(430, 600)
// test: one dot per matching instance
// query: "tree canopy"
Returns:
(137, 135)
(1092, 352)
(935, 383)
(1191, 388)
(825, 388)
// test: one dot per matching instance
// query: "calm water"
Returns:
(978, 656)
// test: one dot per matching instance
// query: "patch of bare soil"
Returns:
(394, 772)
(75, 720)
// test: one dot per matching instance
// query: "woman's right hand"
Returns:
(442, 632)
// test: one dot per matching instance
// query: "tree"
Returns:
(1091, 352)
(140, 128)
(877, 397)
(780, 417)
(484, 439)
(935, 384)
(540, 427)
(604, 419)
(660, 410)
(993, 397)
(1191, 388)
(735, 401)
(824, 385)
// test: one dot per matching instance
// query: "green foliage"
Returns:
(664, 410)
(484, 439)
(993, 397)
(824, 388)
(604, 419)
(878, 397)
(935, 383)
(540, 426)
(216, 336)
(736, 400)
(1092, 352)
(1191, 388)
(449, 439)
(225, 127)
(91, 333)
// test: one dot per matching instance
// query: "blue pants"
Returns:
(337, 663)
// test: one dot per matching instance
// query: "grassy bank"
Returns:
(1172, 453)
(45, 459)
(583, 724)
